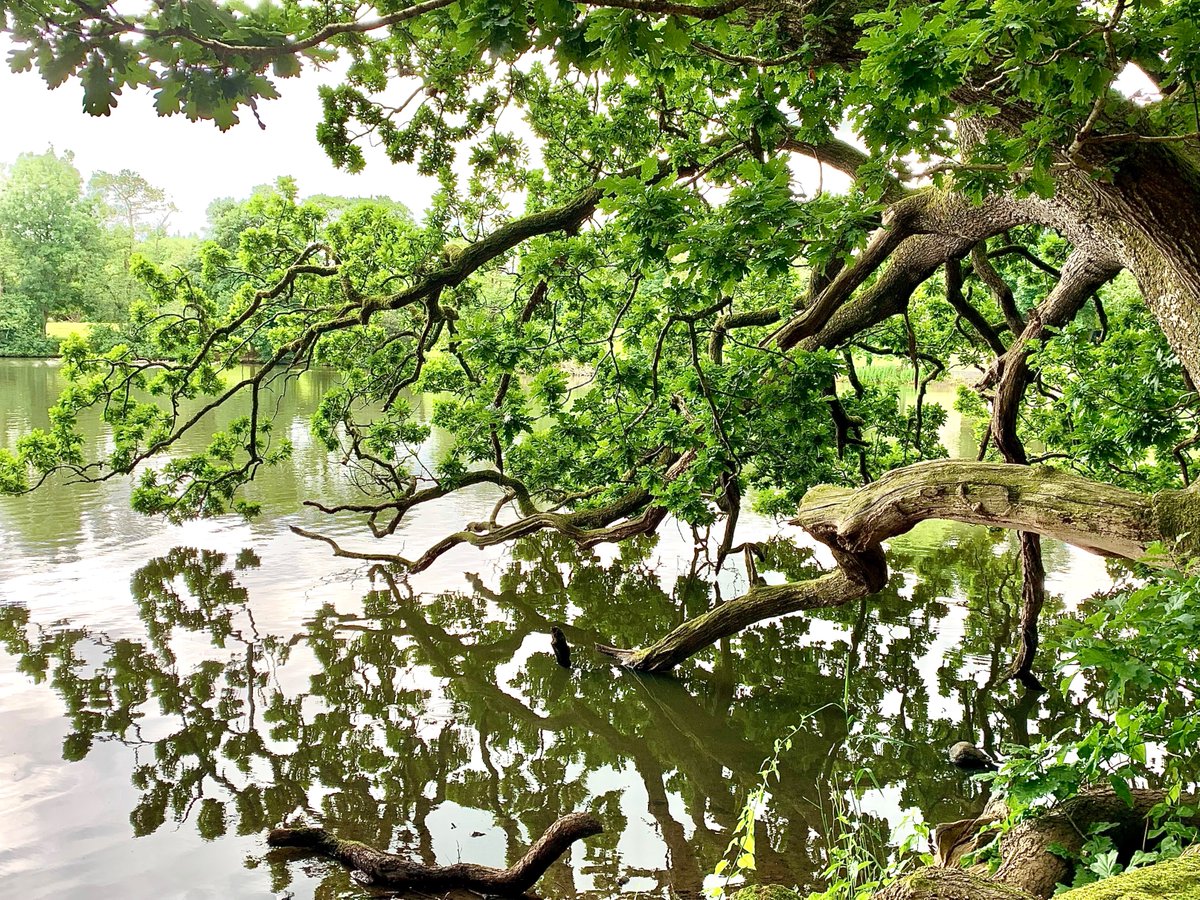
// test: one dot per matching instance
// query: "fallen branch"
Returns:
(380, 869)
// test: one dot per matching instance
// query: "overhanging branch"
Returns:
(854, 523)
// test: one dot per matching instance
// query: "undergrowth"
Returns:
(1133, 654)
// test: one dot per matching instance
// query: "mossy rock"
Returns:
(1178, 879)
(766, 892)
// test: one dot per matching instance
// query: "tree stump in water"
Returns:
(562, 650)
(380, 869)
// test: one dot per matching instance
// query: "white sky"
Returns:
(193, 161)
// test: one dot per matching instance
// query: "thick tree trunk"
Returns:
(1036, 855)
(853, 523)
(1151, 212)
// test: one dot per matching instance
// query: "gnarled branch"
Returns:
(388, 870)
(854, 523)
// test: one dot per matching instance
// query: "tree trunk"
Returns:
(1030, 869)
(1151, 212)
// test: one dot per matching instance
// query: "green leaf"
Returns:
(99, 89)
(1121, 787)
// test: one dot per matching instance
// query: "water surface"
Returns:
(168, 693)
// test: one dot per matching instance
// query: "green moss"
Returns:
(1178, 879)
(1178, 514)
(766, 892)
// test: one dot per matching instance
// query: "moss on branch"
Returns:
(854, 523)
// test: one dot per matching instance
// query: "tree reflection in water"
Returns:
(370, 723)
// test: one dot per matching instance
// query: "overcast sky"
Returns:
(193, 161)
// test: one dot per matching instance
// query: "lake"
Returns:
(170, 692)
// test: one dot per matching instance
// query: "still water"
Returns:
(168, 693)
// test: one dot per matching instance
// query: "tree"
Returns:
(132, 204)
(55, 245)
(129, 200)
(677, 316)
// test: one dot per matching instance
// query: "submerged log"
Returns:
(380, 869)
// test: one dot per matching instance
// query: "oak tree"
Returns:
(668, 236)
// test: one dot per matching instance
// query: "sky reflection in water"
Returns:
(171, 692)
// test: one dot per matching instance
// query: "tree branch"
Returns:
(388, 870)
(854, 523)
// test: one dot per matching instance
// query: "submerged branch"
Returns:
(388, 870)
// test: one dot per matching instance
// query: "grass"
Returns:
(63, 330)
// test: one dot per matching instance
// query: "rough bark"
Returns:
(1096, 516)
(1026, 860)
(388, 870)
(1029, 869)
(950, 884)
(1149, 211)
(919, 234)
(854, 522)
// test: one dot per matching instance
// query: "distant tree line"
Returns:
(77, 251)
(67, 247)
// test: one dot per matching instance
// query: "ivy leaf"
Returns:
(1121, 787)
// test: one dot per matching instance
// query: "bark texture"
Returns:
(388, 870)
(950, 884)
(854, 523)
(1031, 871)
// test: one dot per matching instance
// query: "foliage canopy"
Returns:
(668, 236)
